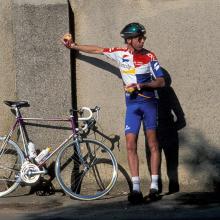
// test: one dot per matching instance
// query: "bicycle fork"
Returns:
(83, 158)
(78, 153)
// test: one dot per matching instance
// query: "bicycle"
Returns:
(79, 163)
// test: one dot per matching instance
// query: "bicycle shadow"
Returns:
(46, 187)
(100, 136)
(123, 185)
(170, 120)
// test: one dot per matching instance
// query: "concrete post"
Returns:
(42, 64)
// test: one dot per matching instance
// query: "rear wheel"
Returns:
(87, 173)
(11, 159)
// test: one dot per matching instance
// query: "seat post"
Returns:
(17, 111)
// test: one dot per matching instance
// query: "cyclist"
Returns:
(141, 75)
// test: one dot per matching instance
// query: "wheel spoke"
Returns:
(8, 168)
(11, 158)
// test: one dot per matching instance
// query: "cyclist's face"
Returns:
(137, 43)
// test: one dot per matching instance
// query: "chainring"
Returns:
(26, 172)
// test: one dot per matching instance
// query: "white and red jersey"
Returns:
(139, 67)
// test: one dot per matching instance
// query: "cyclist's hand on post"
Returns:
(67, 40)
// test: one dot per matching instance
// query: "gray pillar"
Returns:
(41, 71)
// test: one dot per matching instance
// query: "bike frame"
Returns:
(20, 123)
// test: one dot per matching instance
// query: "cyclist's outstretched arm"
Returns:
(87, 48)
(83, 48)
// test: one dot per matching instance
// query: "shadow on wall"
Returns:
(100, 64)
(98, 134)
(170, 120)
(202, 161)
(123, 185)
(45, 186)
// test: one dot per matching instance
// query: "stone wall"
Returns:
(183, 34)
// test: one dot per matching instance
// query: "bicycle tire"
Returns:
(88, 181)
(11, 159)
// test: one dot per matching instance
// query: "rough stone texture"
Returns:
(7, 64)
(39, 65)
(184, 35)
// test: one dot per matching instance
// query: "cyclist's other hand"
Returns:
(130, 87)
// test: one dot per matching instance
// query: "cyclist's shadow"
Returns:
(170, 120)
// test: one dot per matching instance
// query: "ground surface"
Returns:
(177, 206)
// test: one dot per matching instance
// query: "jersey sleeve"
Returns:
(112, 53)
(156, 70)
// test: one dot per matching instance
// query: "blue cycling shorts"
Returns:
(138, 112)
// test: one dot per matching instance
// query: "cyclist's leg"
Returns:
(133, 161)
(150, 124)
(154, 151)
(132, 126)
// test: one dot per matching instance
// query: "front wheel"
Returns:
(86, 170)
(11, 159)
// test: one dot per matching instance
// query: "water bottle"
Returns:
(43, 155)
(31, 150)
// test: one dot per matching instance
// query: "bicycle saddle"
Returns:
(17, 104)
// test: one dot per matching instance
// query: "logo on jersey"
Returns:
(152, 56)
(125, 58)
(130, 71)
(155, 65)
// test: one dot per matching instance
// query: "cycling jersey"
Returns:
(139, 67)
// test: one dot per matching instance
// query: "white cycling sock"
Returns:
(154, 181)
(136, 183)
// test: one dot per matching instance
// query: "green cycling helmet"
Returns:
(132, 30)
